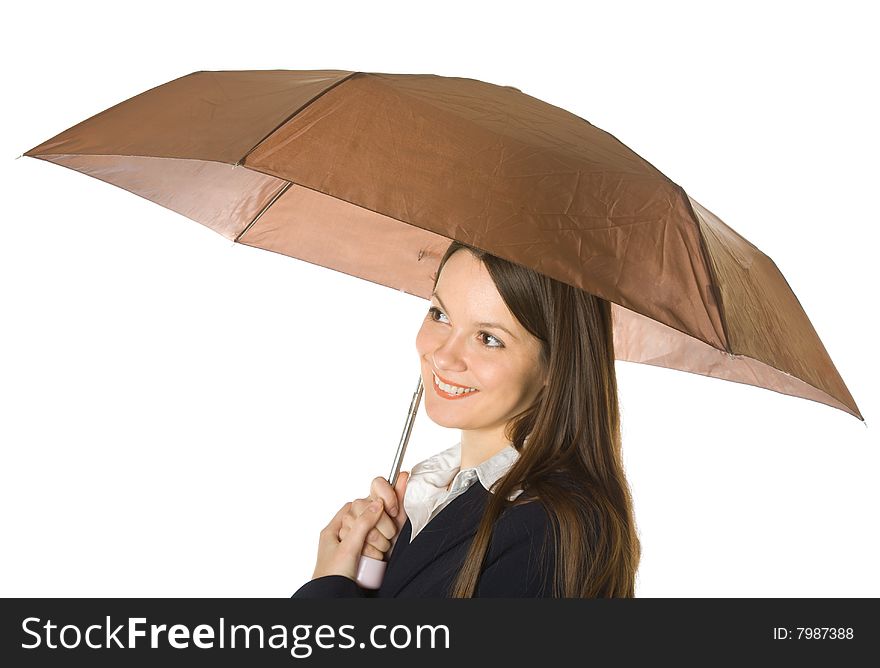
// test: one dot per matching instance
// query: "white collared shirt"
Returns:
(426, 493)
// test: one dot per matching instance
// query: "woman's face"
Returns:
(454, 341)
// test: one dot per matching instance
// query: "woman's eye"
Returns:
(434, 311)
(489, 336)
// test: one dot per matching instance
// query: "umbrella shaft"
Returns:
(407, 429)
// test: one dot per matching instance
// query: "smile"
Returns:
(448, 391)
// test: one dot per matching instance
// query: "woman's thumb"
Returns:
(400, 491)
(400, 484)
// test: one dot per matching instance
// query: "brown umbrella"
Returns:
(373, 174)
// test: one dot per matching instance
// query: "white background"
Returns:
(181, 415)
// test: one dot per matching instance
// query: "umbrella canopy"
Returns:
(373, 174)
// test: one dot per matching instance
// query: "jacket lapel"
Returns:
(453, 525)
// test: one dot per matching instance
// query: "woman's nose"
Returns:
(449, 354)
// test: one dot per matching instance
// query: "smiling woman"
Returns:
(504, 364)
(533, 500)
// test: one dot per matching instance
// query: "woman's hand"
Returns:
(362, 528)
(383, 536)
(340, 557)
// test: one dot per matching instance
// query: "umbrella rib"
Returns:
(263, 210)
(295, 112)
(713, 288)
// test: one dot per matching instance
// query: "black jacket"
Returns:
(520, 561)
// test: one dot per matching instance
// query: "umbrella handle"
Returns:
(371, 571)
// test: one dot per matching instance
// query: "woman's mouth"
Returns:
(451, 391)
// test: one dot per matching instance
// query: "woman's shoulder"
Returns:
(526, 507)
(526, 519)
(522, 553)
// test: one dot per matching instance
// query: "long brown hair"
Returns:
(572, 463)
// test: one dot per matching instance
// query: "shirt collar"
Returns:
(445, 466)
(426, 492)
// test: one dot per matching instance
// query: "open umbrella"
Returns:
(373, 174)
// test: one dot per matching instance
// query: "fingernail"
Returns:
(375, 506)
(393, 511)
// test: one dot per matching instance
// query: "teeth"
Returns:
(449, 389)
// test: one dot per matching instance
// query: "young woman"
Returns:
(532, 501)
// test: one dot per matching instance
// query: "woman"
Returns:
(533, 500)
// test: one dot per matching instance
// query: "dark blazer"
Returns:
(520, 561)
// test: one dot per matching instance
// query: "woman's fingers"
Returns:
(370, 551)
(362, 527)
(333, 527)
(353, 543)
(376, 544)
(340, 556)
(392, 497)
(381, 489)
(378, 541)
(386, 526)
(329, 537)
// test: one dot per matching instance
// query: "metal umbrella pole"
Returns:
(371, 571)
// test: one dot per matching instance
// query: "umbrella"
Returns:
(373, 174)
